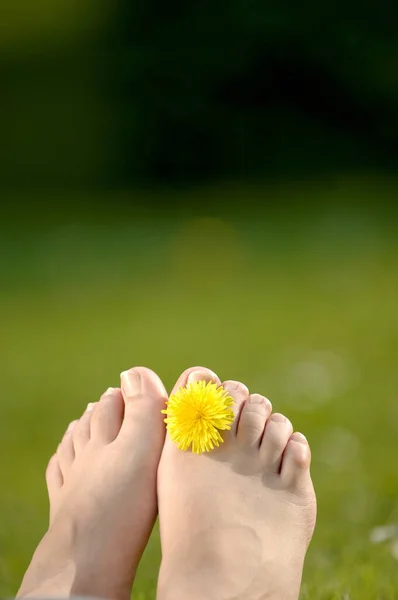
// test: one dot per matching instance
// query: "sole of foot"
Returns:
(102, 490)
(236, 522)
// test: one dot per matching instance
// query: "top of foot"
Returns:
(102, 489)
(236, 522)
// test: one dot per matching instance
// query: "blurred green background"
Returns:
(212, 185)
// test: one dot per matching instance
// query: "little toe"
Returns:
(253, 417)
(278, 430)
(82, 429)
(54, 477)
(65, 450)
(107, 418)
(239, 393)
(296, 461)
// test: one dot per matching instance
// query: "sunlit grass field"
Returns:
(302, 305)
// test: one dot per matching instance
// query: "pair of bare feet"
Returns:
(235, 523)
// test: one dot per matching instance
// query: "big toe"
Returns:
(194, 375)
(144, 398)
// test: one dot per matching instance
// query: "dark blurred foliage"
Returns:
(253, 88)
(149, 92)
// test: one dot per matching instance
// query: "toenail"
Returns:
(278, 418)
(299, 437)
(258, 399)
(196, 376)
(71, 426)
(90, 406)
(109, 391)
(231, 385)
(131, 382)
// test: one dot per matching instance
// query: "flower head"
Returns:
(196, 414)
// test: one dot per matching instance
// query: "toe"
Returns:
(277, 432)
(296, 461)
(193, 375)
(66, 451)
(107, 418)
(253, 417)
(144, 397)
(54, 477)
(82, 429)
(239, 392)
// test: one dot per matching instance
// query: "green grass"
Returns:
(304, 310)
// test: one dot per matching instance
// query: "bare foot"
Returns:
(236, 522)
(102, 489)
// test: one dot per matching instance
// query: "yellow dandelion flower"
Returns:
(196, 414)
